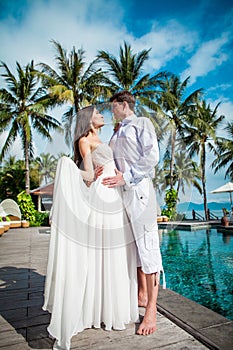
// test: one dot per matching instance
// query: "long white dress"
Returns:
(91, 274)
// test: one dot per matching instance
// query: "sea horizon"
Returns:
(215, 208)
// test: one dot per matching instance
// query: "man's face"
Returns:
(118, 110)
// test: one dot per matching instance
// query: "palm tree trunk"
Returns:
(76, 105)
(203, 179)
(173, 141)
(178, 188)
(27, 176)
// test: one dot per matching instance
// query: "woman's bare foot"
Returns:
(148, 325)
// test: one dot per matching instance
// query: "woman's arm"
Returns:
(88, 173)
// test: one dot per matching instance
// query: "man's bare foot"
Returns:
(142, 301)
(148, 325)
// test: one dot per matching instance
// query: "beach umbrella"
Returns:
(225, 188)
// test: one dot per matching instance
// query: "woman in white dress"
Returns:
(91, 275)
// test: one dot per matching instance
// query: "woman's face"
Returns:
(97, 119)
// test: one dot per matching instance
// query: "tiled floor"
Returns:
(23, 259)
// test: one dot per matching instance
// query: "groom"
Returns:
(135, 151)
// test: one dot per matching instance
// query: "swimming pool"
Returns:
(199, 266)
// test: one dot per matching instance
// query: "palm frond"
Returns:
(9, 140)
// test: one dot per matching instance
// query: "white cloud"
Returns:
(166, 42)
(95, 25)
(225, 108)
(219, 87)
(208, 57)
(90, 25)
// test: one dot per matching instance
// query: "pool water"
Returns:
(199, 266)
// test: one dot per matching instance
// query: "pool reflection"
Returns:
(199, 266)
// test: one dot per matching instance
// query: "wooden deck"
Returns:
(23, 259)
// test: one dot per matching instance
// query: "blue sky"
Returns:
(192, 38)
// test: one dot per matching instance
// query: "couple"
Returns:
(104, 256)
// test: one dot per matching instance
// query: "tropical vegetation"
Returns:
(46, 164)
(23, 109)
(126, 72)
(176, 106)
(72, 83)
(200, 136)
(224, 152)
(185, 124)
(12, 178)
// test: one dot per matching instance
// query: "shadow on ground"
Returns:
(21, 300)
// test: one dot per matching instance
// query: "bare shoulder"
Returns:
(83, 141)
(84, 145)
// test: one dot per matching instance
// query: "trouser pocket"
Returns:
(151, 236)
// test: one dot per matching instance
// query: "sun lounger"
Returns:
(11, 209)
(2, 230)
(162, 218)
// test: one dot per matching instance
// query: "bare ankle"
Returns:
(142, 300)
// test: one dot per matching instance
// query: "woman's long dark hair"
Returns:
(82, 128)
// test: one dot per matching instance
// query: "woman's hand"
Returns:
(99, 171)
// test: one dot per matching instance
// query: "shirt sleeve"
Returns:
(148, 153)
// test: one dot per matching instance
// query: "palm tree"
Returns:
(72, 83)
(126, 73)
(224, 152)
(10, 163)
(176, 108)
(46, 164)
(186, 172)
(160, 180)
(201, 135)
(23, 109)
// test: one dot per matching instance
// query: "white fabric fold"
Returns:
(92, 272)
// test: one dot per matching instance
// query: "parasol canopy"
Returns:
(228, 187)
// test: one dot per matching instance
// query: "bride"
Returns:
(91, 274)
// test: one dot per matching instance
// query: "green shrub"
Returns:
(41, 219)
(27, 206)
(171, 197)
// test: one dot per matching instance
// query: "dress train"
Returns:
(92, 274)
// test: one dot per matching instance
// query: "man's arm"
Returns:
(148, 156)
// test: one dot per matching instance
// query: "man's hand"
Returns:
(99, 171)
(114, 181)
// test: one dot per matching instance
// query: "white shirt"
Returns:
(135, 149)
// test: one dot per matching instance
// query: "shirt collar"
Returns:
(128, 119)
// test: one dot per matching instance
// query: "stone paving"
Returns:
(23, 260)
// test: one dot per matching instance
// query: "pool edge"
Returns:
(208, 327)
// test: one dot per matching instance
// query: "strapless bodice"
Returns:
(103, 155)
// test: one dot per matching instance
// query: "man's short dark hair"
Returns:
(124, 96)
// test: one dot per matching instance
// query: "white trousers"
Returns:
(141, 207)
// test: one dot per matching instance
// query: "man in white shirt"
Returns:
(136, 153)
